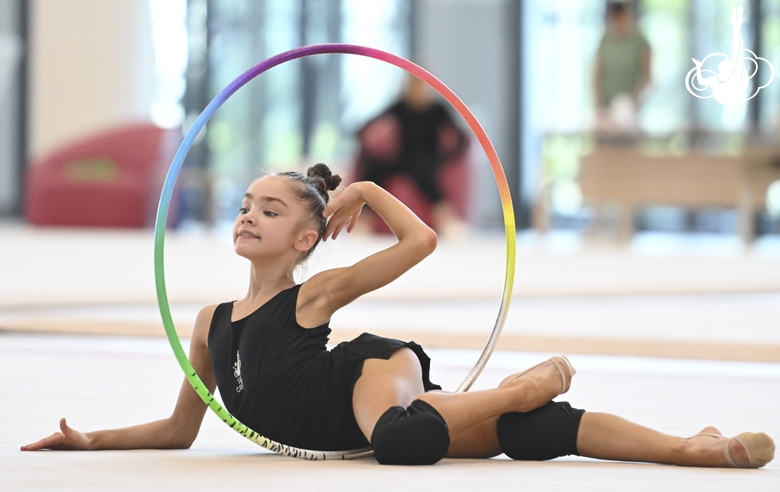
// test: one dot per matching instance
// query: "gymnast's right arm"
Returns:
(175, 432)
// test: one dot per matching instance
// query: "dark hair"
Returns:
(615, 9)
(313, 189)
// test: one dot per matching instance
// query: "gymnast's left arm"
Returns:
(175, 432)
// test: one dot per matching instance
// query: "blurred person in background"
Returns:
(415, 137)
(622, 72)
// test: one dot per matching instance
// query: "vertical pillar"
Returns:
(513, 164)
(23, 80)
(756, 21)
(13, 62)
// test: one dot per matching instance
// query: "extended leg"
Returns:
(471, 420)
(610, 437)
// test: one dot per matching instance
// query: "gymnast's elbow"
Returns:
(426, 242)
(180, 441)
(180, 435)
(183, 444)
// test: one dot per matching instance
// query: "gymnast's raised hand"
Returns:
(344, 210)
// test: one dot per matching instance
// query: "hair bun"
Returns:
(323, 172)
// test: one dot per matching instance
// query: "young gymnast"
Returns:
(267, 354)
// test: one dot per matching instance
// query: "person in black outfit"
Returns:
(424, 138)
(267, 354)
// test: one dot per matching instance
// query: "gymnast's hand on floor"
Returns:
(68, 439)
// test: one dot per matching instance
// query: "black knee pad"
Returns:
(542, 434)
(416, 435)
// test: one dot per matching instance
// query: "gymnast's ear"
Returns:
(306, 240)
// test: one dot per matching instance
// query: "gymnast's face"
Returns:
(272, 223)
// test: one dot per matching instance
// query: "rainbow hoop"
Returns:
(173, 173)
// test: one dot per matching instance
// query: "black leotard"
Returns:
(279, 379)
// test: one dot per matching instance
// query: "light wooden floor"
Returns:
(106, 381)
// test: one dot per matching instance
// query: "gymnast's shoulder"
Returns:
(202, 326)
